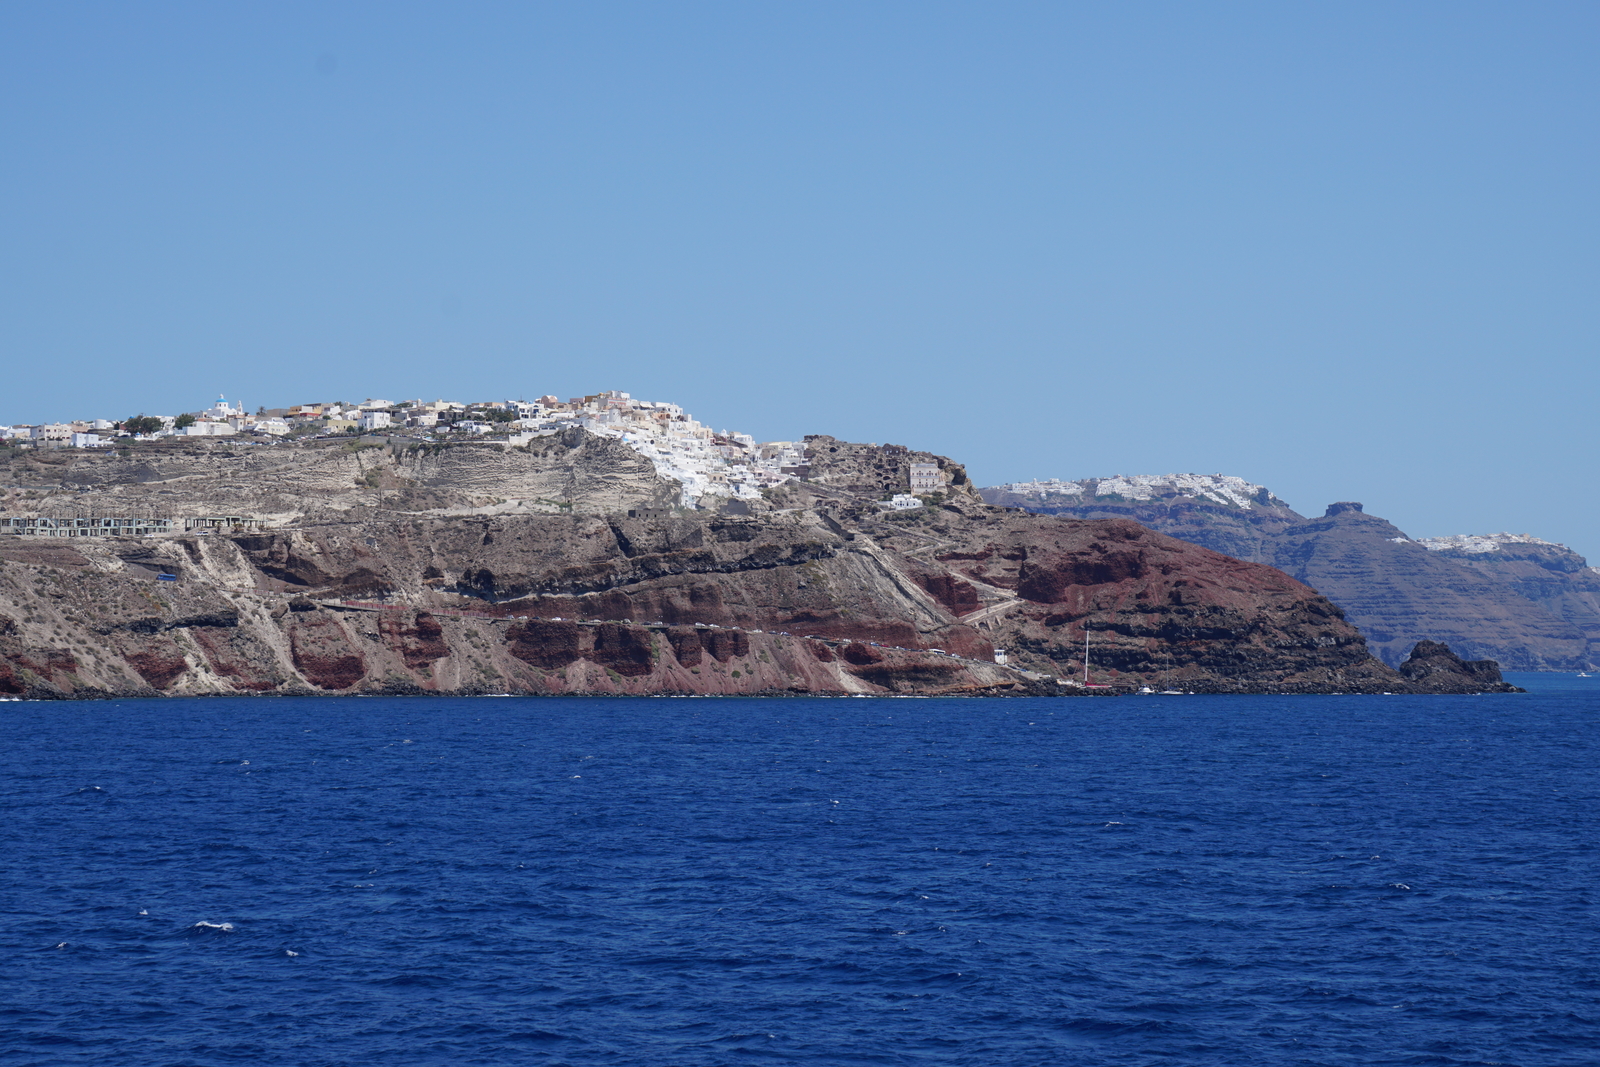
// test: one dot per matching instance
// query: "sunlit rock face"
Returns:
(571, 566)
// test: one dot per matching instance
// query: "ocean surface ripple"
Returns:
(1162, 880)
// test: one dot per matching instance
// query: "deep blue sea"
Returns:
(1191, 881)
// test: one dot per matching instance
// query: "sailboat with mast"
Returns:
(1166, 679)
(1086, 683)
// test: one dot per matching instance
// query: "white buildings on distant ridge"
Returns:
(708, 465)
(703, 462)
(1218, 488)
(1479, 543)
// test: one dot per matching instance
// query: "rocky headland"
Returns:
(568, 566)
(1528, 604)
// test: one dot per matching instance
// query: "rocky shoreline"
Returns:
(816, 590)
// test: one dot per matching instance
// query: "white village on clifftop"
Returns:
(706, 463)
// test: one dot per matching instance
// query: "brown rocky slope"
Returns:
(817, 591)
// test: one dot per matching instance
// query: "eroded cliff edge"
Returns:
(1529, 606)
(565, 569)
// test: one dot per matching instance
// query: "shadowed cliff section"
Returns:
(1554, 577)
(1432, 667)
(1529, 607)
(1402, 593)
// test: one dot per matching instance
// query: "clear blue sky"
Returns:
(1345, 249)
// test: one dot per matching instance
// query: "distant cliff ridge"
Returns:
(1225, 514)
(1472, 544)
(1527, 603)
(1548, 574)
(1221, 489)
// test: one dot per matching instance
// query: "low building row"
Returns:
(121, 526)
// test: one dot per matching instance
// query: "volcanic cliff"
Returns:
(564, 567)
(1529, 606)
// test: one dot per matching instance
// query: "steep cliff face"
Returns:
(1151, 609)
(1401, 593)
(539, 604)
(817, 591)
(783, 572)
(1531, 608)
(1552, 576)
(285, 483)
(83, 622)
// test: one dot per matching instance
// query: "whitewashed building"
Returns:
(223, 410)
(205, 428)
